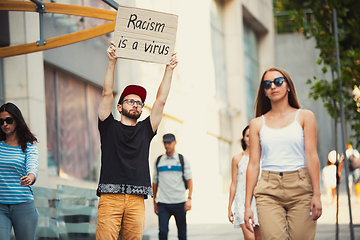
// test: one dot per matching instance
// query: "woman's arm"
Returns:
(253, 169)
(234, 174)
(32, 162)
(312, 161)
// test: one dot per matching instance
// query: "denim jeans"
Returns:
(165, 211)
(23, 217)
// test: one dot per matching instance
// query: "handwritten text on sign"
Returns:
(145, 35)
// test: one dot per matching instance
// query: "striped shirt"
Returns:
(15, 164)
(171, 188)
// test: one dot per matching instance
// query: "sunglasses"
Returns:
(277, 81)
(8, 120)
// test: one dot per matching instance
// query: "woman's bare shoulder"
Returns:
(236, 159)
(256, 123)
(306, 115)
(306, 118)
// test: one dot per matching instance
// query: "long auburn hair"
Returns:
(262, 103)
(22, 130)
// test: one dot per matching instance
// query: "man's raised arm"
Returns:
(162, 94)
(107, 94)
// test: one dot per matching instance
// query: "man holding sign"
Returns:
(125, 176)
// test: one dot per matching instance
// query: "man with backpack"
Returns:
(171, 179)
(354, 171)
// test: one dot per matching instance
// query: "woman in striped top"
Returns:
(18, 171)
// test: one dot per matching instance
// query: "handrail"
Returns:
(61, 40)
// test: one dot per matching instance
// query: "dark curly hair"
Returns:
(243, 144)
(22, 130)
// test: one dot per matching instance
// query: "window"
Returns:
(218, 49)
(284, 24)
(251, 59)
(73, 139)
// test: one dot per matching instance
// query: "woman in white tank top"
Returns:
(284, 138)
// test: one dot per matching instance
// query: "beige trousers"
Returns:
(125, 210)
(283, 205)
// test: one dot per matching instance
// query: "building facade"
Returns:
(223, 47)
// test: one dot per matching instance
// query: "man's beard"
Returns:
(131, 115)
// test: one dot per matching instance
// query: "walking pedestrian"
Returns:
(19, 160)
(329, 180)
(354, 170)
(283, 136)
(237, 190)
(172, 177)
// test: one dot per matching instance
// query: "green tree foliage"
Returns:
(314, 19)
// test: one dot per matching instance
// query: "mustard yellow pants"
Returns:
(283, 205)
(125, 210)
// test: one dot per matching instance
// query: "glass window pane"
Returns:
(77, 208)
(218, 50)
(73, 134)
(45, 202)
(94, 97)
(251, 61)
(51, 132)
(65, 213)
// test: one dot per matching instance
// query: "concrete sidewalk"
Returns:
(325, 230)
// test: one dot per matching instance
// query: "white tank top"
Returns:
(282, 149)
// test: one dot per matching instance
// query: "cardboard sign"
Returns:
(145, 35)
